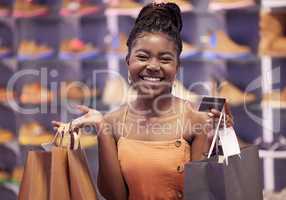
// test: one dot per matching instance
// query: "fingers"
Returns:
(57, 123)
(83, 108)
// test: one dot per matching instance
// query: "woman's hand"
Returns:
(90, 117)
(214, 115)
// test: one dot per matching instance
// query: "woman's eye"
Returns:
(166, 59)
(142, 57)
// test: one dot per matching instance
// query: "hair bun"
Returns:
(169, 10)
(175, 14)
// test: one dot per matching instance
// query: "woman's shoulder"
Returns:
(115, 115)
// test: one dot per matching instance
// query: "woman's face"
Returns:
(153, 64)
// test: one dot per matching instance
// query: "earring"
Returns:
(129, 78)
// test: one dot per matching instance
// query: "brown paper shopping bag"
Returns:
(36, 177)
(82, 184)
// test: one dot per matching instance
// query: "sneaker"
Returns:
(220, 46)
(5, 136)
(76, 91)
(6, 95)
(276, 99)
(78, 7)
(272, 39)
(28, 9)
(77, 49)
(190, 51)
(230, 4)
(30, 50)
(234, 95)
(34, 93)
(33, 133)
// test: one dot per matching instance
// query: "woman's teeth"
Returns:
(151, 79)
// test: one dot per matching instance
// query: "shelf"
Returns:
(216, 6)
(273, 3)
(272, 154)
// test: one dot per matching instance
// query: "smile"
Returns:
(150, 78)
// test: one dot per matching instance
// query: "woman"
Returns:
(144, 145)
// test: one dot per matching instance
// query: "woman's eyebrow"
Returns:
(167, 53)
(141, 50)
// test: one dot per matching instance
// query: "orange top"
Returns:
(153, 170)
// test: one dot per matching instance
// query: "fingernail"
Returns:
(210, 114)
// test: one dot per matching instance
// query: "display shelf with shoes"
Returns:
(32, 50)
(80, 8)
(118, 46)
(77, 49)
(35, 93)
(190, 51)
(30, 9)
(77, 91)
(234, 95)
(34, 134)
(216, 5)
(218, 45)
(122, 7)
(184, 5)
(272, 38)
(273, 3)
(275, 99)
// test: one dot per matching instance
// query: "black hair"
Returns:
(158, 17)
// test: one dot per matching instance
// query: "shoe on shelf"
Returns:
(6, 95)
(272, 38)
(31, 50)
(234, 95)
(34, 93)
(29, 9)
(32, 133)
(77, 49)
(220, 46)
(190, 51)
(78, 7)
(275, 99)
(230, 4)
(76, 91)
(5, 10)
(5, 136)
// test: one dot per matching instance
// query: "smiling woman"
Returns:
(144, 144)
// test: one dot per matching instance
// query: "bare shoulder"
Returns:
(114, 120)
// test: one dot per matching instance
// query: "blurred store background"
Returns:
(58, 53)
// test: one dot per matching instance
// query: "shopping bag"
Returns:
(36, 177)
(82, 184)
(224, 177)
(61, 173)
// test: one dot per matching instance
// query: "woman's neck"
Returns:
(157, 106)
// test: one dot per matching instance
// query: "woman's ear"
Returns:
(127, 59)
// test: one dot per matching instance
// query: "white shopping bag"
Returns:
(227, 137)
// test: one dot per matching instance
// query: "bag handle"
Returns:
(222, 114)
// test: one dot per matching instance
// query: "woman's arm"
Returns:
(110, 180)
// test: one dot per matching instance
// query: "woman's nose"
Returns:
(153, 65)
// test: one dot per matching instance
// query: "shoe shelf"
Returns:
(273, 3)
(272, 154)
